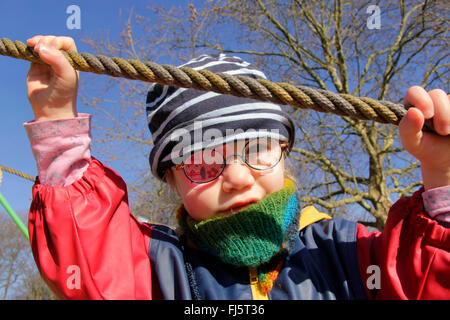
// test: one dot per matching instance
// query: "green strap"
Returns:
(14, 216)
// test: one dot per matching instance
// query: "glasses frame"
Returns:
(283, 147)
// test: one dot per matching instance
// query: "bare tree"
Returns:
(345, 166)
(11, 257)
(19, 277)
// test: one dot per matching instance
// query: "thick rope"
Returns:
(16, 172)
(260, 89)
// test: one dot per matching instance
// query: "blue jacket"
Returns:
(322, 266)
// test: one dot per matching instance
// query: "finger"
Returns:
(419, 98)
(37, 71)
(63, 43)
(410, 129)
(38, 77)
(55, 59)
(33, 40)
(45, 41)
(441, 105)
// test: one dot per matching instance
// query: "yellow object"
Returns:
(256, 293)
(309, 216)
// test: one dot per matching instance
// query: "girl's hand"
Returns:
(52, 88)
(432, 150)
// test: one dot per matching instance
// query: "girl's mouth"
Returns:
(236, 207)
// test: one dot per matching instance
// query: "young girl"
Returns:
(242, 235)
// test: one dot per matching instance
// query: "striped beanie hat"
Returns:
(183, 121)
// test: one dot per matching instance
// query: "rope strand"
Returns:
(260, 89)
(17, 173)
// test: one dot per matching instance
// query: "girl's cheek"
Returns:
(266, 172)
(199, 198)
(271, 172)
(277, 170)
(200, 206)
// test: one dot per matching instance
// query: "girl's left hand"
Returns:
(431, 149)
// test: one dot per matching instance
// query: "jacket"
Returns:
(88, 245)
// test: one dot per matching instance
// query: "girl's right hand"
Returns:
(52, 89)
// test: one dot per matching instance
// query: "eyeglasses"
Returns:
(208, 164)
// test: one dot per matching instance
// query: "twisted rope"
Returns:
(16, 172)
(260, 89)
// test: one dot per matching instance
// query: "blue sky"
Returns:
(21, 20)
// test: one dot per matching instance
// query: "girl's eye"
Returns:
(204, 165)
(262, 154)
(203, 172)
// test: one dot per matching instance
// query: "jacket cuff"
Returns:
(61, 148)
(437, 203)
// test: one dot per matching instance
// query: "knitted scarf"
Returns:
(260, 235)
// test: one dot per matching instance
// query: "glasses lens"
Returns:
(262, 154)
(204, 166)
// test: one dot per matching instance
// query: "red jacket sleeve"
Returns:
(85, 241)
(411, 256)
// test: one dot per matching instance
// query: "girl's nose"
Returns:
(237, 176)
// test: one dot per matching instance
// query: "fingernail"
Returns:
(448, 130)
(428, 113)
(43, 49)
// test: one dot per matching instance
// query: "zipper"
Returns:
(256, 293)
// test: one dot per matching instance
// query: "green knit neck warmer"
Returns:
(250, 237)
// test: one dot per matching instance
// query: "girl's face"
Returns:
(237, 187)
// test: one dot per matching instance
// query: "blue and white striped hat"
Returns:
(187, 120)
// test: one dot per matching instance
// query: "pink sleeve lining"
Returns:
(61, 149)
(437, 203)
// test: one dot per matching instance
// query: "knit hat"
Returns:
(183, 121)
